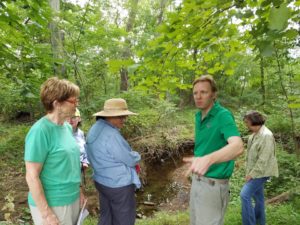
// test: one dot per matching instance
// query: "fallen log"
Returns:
(149, 203)
(283, 197)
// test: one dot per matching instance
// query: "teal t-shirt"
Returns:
(211, 134)
(55, 147)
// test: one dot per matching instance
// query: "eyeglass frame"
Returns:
(74, 102)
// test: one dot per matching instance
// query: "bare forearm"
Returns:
(200, 165)
(38, 195)
(36, 189)
(228, 152)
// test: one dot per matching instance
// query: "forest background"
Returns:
(149, 52)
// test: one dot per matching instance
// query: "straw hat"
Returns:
(115, 107)
(77, 113)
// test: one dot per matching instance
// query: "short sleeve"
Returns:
(36, 147)
(227, 125)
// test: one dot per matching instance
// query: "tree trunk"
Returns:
(284, 91)
(57, 37)
(163, 4)
(124, 79)
(127, 51)
(242, 91)
(262, 81)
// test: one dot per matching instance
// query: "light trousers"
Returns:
(208, 202)
(67, 215)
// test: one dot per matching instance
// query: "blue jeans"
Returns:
(254, 188)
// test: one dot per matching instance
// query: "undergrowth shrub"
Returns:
(18, 95)
(279, 123)
(283, 214)
(12, 139)
(153, 114)
(289, 174)
(164, 218)
(288, 180)
(142, 124)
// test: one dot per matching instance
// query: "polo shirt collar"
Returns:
(213, 111)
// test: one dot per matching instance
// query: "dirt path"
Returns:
(13, 196)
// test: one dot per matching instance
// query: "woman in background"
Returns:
(261, 165)
(78, 134)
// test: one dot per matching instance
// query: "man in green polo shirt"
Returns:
(217, 143)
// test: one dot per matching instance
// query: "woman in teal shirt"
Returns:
(52, 158)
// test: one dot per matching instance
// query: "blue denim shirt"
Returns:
(112, 159)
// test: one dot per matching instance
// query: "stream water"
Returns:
(166, 188)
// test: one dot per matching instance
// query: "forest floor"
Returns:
(162, 174)
(13, 195)
(166, 188)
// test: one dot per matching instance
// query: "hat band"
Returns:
(114, 109)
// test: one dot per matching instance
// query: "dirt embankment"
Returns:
(162, 156)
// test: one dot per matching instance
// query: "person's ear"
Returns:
(214, 96)
(56, 104)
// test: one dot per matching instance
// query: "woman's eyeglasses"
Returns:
(73, 101)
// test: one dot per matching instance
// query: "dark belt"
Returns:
(212, 181)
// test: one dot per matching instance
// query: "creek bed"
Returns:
(166, 188)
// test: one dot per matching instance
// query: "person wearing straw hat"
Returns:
(113, 162)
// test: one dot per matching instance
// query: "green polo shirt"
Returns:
(211, 134)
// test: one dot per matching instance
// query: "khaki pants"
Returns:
(208, 202)
(67, 215)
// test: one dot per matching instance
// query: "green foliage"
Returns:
(18, 96)
(275, 214)
(288, 180)
(237, 181)
(169, 46)
(163, 218)
(12, 141)
(142, 124)
(279, 124)
(153, 113)
(12, 144)
(282, 214)
(24, 54)
(289, 174)
(279, 17)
